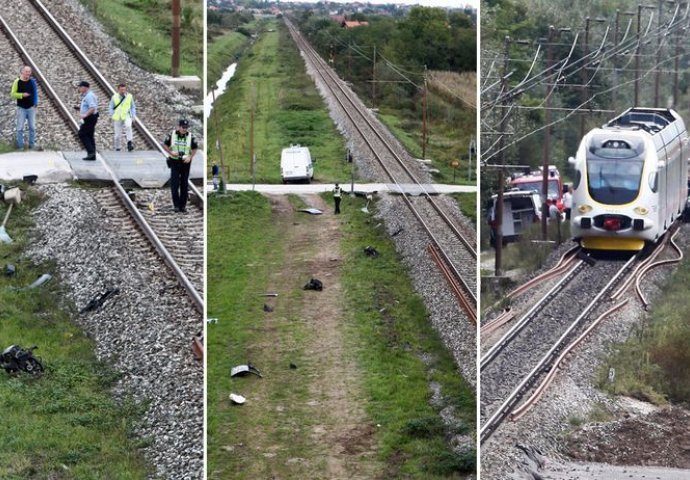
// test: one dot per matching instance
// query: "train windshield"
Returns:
(536, 187)
(614, 173)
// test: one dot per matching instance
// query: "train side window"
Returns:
(654, 181)
(578, 177)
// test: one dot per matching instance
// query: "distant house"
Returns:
(353, 24)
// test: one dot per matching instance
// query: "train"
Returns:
(631, 180)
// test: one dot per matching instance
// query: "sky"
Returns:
(428, 3)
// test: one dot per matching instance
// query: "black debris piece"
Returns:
(293, 366)
(244, 370)
(397, 232)
(98, 302)
(268, 308)
(30, 179)
(15, 358)
(314, 284)
(10, 270)
(370, 251)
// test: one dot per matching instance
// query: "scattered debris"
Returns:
(314, 284)
(237, 399)
(30, 179)
(365, 208)
(40, 281)
(198, 346)
(211, 321)
(370, 251)
(12, 197)
(267, 308)
(311, 211)
(397, 232)
(96, 303)
(14, 359)
(244, 370)
(268, 294)
(293, 366)
(10, 270)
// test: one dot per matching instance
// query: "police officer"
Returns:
(122, 111)
(214, 172)
(337, 194)
(181, 147)
(88, 111)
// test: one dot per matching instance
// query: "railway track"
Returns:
(454, 252)
(518, 369)
(78, 65)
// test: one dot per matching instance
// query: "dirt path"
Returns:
(314, 425)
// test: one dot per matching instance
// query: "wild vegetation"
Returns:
(143, 30)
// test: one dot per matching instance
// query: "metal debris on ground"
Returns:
(211, 321)
(397, 232)
(97, 302)
(293, 366)
(311, 211)
(244, 370)
(10, 270)
(370, 251)
(15, 358)
(41, 281)
(237, 399)
(267, 308)
(268, 294)
(314, 284)
(365, 208)
(30, 179)
(198, 346)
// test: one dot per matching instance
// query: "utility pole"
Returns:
(616, 37)
(176, 13)
(498, 219)
(424, 133)
(583, 89)
(637, 53)
(547, 139)
(471, 152)
(349, 62)
(219, 145)
(657, 73)
(373, 81)
(251, 132)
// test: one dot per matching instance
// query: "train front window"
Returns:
(614, 181)
(536, 187)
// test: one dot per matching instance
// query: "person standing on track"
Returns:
(123, 111)
(181, 147)
(337, 194)
(88, 111)
(25, 92)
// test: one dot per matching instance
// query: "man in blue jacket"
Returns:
(25, 92)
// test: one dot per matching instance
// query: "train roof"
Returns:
(650, 120)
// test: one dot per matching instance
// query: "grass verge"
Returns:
(391, 327)
(652, 364)
(468, 205)
(142, 28)
(288, 110)
(64, 424)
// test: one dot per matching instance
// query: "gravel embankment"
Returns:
(145, 331)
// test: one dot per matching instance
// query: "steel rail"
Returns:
(509, 404)
(648, 267)
(124, 197)
(527, 317)
(336, 80)
(307, 49)
(522, 410)
(560, 266)
(455, 287)
(93, 70)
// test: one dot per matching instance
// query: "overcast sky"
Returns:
(430, 3)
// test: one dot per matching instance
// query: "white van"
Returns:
(520, 210)
(296, 164)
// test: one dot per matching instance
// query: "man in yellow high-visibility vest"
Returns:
(123, 111)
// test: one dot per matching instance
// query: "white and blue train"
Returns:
(631, 180)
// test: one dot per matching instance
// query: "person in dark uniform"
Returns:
(88, 111)
(181, 147)
(337, 194)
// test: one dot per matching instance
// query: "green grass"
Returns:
(391, 326)
(222, 52)
(468, 205)
(652, 364)
(288, 111)
(142, 28)
(386, 345)
(64, 424)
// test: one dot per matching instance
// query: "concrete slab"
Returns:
(85, 170)
(281, 189)
(49, 167)
(189, 82)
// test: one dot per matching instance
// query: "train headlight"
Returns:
(641, 210)
(584, 209)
